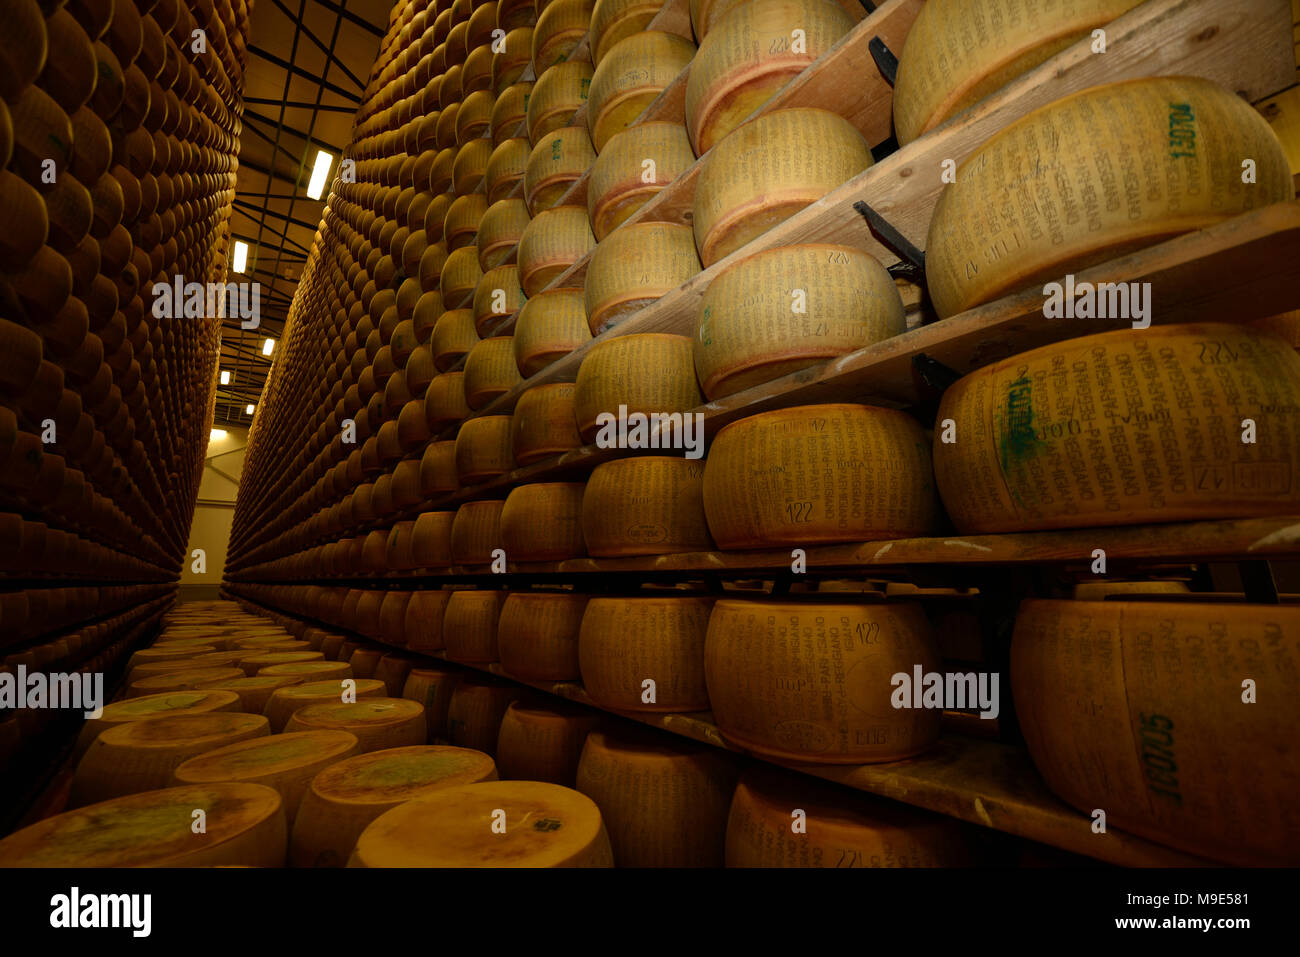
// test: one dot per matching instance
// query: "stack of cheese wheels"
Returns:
(495, 824)
(818, 682)
(634, 71)
(785, 309)
(469, 625)
(537, 635)
(476, 532)
(453, 337)
(633, 267)
(284, 702)
(543, 423)
(286, 762)
(665, 803)
(558, 94)
(506, 167)
(490, 371)
(555, 163)
(840, 828)
(422, 623)
(555, 239)
(950, 61)
(542, 522)
(475, 711)
(1152, 456)
(141, 755)
(432, 687)
(1139, 708)
(149, 706)
(484, 449)
(550, 325)
(645, 505)
(633, 166)
(346, 797)
(543, 742)
(752, 51)
(780, 175)
(431, 536)
(644, 373)
(253, 693)
(245, 825)
(378, 723)
(1194, 133)
(645, 654)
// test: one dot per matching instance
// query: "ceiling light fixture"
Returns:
(268, 346)
(225, 377)
(321, 170)
(240, 260)
(248, 409)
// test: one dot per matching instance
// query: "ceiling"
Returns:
(308, 64)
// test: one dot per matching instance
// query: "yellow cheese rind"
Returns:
(541, 743)
(628, 78)
(633, 267)
(285, 701)
(543, 423)
(537, 635)
(469, 625)
(542, 522)
(621, 181)
(624, 644)
(378, 723)
(475, 712)
(646, 372)
(645, 505)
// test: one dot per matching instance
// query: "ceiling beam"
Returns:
(288, 67)
(352, 18)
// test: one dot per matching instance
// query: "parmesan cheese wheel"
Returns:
(506, 167)
(141, 755)
(513, 58)
(556, 96)
(614, 20)
(560, 27)
(342, 800)
(537, 635)
(453, 337)
(550, 325)
(767, 171)
(284, 702)
(438, 470)
(1099, 591)
(285, 762)
(198, 701)
(543, 423)
(498, 295)
(483, 449)
(954, 56)
(1166, 161)
(312, 670)
(476, 532)
(647, 373)
(444, 401)
(1137, 708)
(184, 680)
(554, 240)
(253, 693)
(510, 112)
(460, 225)
(23, 49)
(814, 682)
(475, 711)
(645, 505)
(473, 120)
(432, 687)
(1113, 429)
(645, 654)
(245, 826)
(841, 828)
(499, 231)
(633, 73)
(460, 275)
(555, 163)
(469, 626)
(543, 743)
(1286, 325)
(378, 723)
(545, 825)
(542, 522)
(632, 267)
(633, 166)
(423, 623)
(789, 308)
(431, 539)
(470, 165)
(490, 372)
(158, 654)
(816, 474)
(254, 664)
(665, 804)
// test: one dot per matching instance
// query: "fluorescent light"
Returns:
(267, 346)
(217, 434)
(248, 409)
(240, 261)
(225, 377)
(322, 169)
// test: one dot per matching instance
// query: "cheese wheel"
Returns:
(510, 112)
(561, 25)
(460, 275)
(442, 174)
(537, 635)
(423, 622)
(550, 325)
(469, 625)
(555, 240)
(184, 680)
(476, 532)
(614, 20)
(1099, 591)
(632, 267)
(470, 165)
(765, 172)
(630, 77)
(633, 166)
(198, 701)
(245, 826)
(431, 539)
(141, 755)
(284, 702)
(498, 295)
(21, 204)
(539, 743)
(513, 58)
(1112, 429)
(626, 642)
(789, 308)
(473, 120)
(1286, 325)
(542, 522)
(543, 424)
(952, 59)
(557, 162)
(378, 723)
(816, 474)
(432, 687)
(24, 48)
(495, 824)
(311, 670)
(813, 682)
(483, 449)
(453, 337)
(1137, 708)
(1085, 200)
(444, 401)
(255, 663)
(841, 828)
(285, 762)
(506, 167)
(461, 222)
(665, 804)
(166, 654)
(645, 505)
(560, 91)
(646, 373)
(499, 232)
(252, 693)
(475, 711)
(438, 470)
(342, 800)
(490, 371)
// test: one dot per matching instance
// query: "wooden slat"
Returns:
(1283, 114)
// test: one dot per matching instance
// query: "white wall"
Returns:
(222, 466)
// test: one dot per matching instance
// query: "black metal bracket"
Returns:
(1257, 581)
(934, 373)
(886, 62)
(911, 264)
